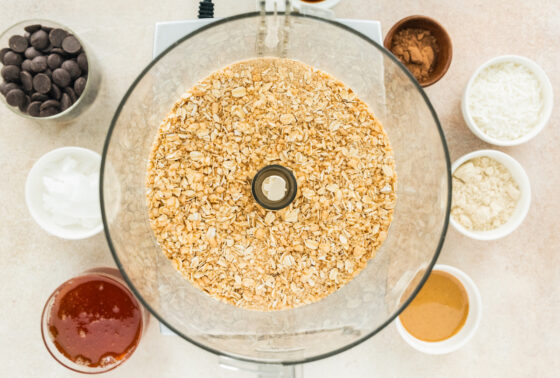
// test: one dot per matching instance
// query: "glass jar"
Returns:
(113, 276)
(92, 84)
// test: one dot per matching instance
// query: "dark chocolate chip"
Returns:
(18, 43)
(65, 101)
(47, 29)
(15, 97)
(6, 87)
(39, 63)
(3, 52)
(27, 35)
(48, 72)
(32, 52)
(48, 112)
(56, 36)
(55, 92)
(50, 103)
(39, 97)
(54, 61)
(82, 62)
(26, 65)
(59, 51)
(71, 45)
(61, 77)
(34, 108)
(24, 104)
(79, 85)
(39, 39)
(42, 83)
(10, 73)
(12, 58)
(47, 49)
(26, 80)
(72, 67)
(71, 93)
(32, 28)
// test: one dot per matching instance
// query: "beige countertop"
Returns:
(518, 276)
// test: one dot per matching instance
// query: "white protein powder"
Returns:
(484, 194)
(506, 101)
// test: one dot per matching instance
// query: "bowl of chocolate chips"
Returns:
(47, 72)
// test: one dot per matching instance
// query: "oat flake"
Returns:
(233, 123)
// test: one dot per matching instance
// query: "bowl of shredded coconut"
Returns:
(507, 101)
(62, 193)
(491, 195)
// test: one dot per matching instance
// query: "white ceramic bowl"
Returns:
(519, 175)
(548, 98)
(34, 189)
(469, 328)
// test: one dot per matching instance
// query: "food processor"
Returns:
(359, 309)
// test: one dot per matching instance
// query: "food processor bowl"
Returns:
(359, 309)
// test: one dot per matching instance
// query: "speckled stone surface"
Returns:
(518, 276)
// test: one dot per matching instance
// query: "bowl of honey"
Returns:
(445, 313)
(92, 323)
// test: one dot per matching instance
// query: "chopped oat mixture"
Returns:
(219, 134)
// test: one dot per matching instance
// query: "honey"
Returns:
(95, 321)
(440, 309)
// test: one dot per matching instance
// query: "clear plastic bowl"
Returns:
(365, 305)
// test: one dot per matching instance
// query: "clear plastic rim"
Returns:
(56, 116)
(242, 358)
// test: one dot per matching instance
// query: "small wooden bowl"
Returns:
(445, 47)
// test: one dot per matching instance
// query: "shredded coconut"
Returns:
(506, 101)
(484, 194)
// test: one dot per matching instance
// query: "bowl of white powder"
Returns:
(507, 101)
(62, 193)
(491, 194)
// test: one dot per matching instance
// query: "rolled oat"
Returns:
(233, 123)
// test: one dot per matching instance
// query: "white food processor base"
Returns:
(168, 32)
